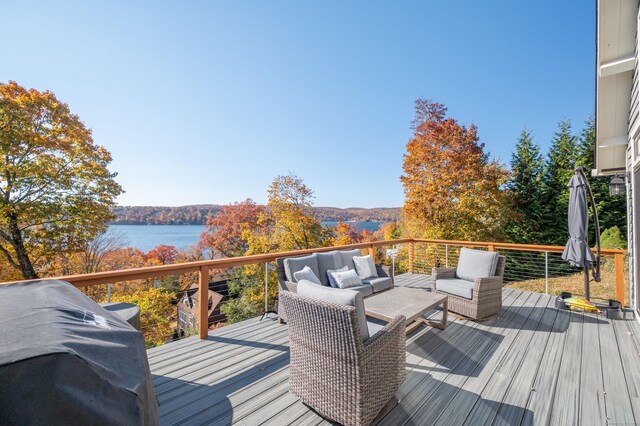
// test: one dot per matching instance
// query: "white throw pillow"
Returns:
(306, 273)
(347, 279)
(332, 281)
(365, 267)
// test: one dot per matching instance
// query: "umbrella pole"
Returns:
(596, 223)
(586, 283)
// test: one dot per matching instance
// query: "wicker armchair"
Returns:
(485, 292)
(334, 371)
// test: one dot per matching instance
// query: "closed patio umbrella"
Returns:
(577, 252)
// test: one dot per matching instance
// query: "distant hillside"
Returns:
(197, 214)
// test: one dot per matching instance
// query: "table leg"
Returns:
(445, 312)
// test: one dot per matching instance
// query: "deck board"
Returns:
(531, 364)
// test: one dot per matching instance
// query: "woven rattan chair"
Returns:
(475, 299)
(334, 371)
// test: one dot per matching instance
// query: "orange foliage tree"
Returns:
(452, 189)
(163, 254)
(223, 233)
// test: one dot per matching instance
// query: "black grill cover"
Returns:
(66, 360)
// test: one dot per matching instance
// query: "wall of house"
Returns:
(633, 181)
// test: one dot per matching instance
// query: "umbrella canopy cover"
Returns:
(577, 252)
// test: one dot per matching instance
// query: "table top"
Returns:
(410, 302)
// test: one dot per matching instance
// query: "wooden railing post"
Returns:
(491, 247)
(619, 262)
(372, 252)
(203, 302)
(411, 254)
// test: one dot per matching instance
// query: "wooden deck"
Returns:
(531, 364)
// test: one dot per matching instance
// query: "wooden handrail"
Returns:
(512, 246)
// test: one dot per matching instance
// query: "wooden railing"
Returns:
(204, 267)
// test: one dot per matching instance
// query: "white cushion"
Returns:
(346, 279)
(332, 281)
(306, 273)
(365, 266)
(342, 297)
(476, 264)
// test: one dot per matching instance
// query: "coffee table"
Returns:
(413, 303)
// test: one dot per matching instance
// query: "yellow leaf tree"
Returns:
(452, 189)
(55, 188)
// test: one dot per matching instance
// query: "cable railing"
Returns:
(531, 267)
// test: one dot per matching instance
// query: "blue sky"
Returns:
(206, 102)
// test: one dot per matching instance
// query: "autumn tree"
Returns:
(527, 189)
(163, 254)
(223, 233)
(452, 189)
(55, 188)
(287, 223)
(292, 223)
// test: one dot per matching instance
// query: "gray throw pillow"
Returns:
(306, 274)
(347, 279)
(332, 281)
(365, 267)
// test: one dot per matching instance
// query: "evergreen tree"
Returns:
(526, 185)
(611, 210)
(562, 160)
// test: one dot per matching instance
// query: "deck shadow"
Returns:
(436, 347)
(438, 395)
(199, 402)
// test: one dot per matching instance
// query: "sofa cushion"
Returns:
(476, 264)
(306, 274)
(295, 264)
(342, 297)
(456, 286)
(379, 283)
(364, 289)
(346, 279)
(365, 267)
(327, 261)
(332, 281)
(347, 257)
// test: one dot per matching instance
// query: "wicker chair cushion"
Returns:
(456, 287)
(295, 264)
(476, 264)
(327, 261)
(341, 297)
(306, 274)
(379, 284)
(347, 257)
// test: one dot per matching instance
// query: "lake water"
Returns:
(147, 237)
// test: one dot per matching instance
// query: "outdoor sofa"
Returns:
(474, 287)
(322, 262)
(339, 367)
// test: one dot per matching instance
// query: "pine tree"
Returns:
(526, 185)
(562, 160)
(611, 210)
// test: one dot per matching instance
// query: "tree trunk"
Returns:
(26, 267)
